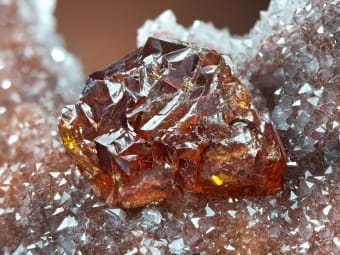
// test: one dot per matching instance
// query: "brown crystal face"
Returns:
(168, 118)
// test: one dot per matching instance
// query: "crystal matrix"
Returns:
(170, 117)
(292, 57)
(46, 206)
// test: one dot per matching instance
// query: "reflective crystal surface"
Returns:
(170, 118)
(46, 206)
(291, 57)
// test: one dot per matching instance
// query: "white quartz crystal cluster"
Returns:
(28, 31)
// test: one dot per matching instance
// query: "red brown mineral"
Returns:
(167, 118)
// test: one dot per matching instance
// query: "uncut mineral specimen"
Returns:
(46, 206)
(292, 57)
(170, 117)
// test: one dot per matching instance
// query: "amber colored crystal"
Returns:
(168, 118)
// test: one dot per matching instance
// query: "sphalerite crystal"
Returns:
(46, 206)
(168, 118)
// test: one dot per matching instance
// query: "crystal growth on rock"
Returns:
(292, 57)
(170, 117)
(40, 188)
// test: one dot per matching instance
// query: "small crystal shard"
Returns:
(68, 222)
(168, 118)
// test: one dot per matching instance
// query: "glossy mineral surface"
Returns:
(170, 118)
(46, 206)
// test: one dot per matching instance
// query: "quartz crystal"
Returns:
(291, 57)
(168, 118)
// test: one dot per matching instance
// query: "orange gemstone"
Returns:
(168, 118)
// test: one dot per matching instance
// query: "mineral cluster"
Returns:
(291, 57)
(169, 118)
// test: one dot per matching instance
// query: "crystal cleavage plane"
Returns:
(169, 118)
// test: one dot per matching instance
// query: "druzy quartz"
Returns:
(169, 118)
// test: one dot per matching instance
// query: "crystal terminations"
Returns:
(169, 118)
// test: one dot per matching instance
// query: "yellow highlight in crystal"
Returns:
(69, 139)
(216, 180)
(221, 179)
(243, 104)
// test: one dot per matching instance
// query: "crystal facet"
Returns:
(41, 191)
(168, 118)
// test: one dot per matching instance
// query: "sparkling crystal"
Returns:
(209, 212)
(298, 65)
(169, 118)
(68, 222)
(279, 54)
(177, 246)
